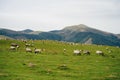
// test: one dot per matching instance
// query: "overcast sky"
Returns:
(46, 15)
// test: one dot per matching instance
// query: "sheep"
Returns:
(37, 50)
(28, 50)
(86, 52)
(14, 44)
(25, 41)
(14, 48)
(100, 53)
(27, 45)
(77, 52)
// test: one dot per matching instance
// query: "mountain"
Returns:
(76, 33)
(84, 34)
(80, 28)
(27, 31)
(118, 35)
(12, 34)
(27, 34)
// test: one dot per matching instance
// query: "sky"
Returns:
(47, 15)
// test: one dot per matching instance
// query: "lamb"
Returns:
(100, 53)
(77, 52)
(37, 51)
(28, 50)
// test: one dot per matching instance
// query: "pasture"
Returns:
(53, 63)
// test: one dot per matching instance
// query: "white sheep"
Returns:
(25, 41)
(77, 52)
(13, 47)
(27, 45)
(37, 50)
(14, 44)
(100, 53)
(28, 50)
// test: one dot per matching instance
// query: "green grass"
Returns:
(54, 64)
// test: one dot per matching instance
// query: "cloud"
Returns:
(56, 14)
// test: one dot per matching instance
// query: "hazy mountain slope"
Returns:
(30, 35)
(7, 31)
(12, 34)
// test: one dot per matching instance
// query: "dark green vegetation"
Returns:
(55, 64)
(77, 33)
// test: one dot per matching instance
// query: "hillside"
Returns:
(76, 33)
(55, 64)
(4, 37)
(118, 35)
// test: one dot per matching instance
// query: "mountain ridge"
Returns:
(75, 33)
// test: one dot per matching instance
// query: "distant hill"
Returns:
(76, 33)
(12, 34)
(27, 31)
(29, 34)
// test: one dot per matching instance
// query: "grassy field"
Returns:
(54, 64)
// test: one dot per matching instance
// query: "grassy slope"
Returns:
(19, 65)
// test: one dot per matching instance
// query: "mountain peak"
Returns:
(80, 27)
(84, 28)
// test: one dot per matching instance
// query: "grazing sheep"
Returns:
(14, 44)
(28, 50)
(14, 48)
(25, 41)
(77, 52)
(86, 52)
(37, 50)
(100, 53)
